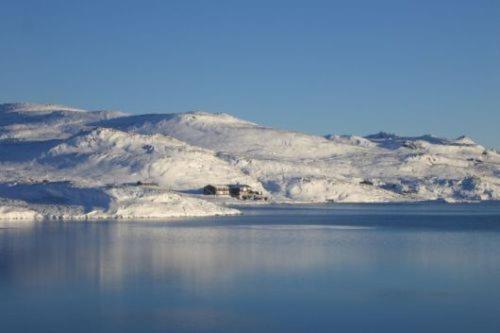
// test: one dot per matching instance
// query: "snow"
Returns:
(226, 134)
(41, 122)
(47, 149)
(464, 140)
(153, 158)
(351, 140)
(64, 200)
(38, 108)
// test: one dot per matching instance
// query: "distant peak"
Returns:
(382, 135)
(464, 140)
(209, 117)
(393, 141)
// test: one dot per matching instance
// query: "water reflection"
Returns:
(253, 273)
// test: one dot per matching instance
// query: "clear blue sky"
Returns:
(352, 67)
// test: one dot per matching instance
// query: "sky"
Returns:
(344, 67)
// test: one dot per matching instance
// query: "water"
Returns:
(345, 268)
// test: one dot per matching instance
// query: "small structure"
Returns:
(141, 183)
(216, 190)
(366, 182)
(239, 191)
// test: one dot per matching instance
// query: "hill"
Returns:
(51, 144)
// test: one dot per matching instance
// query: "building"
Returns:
(216, 190)
(239, 191)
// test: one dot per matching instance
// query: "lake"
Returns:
(428, 267)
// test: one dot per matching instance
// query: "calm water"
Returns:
(345, 268)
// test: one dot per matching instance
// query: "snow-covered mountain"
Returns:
(43, 145)
(302, 167)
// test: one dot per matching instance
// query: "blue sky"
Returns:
(352, 67)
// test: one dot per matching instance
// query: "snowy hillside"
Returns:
(161, 159)
(44, 146)
(299, 167)
(39, 122)
(227, 134)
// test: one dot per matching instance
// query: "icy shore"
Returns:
(63, 201)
